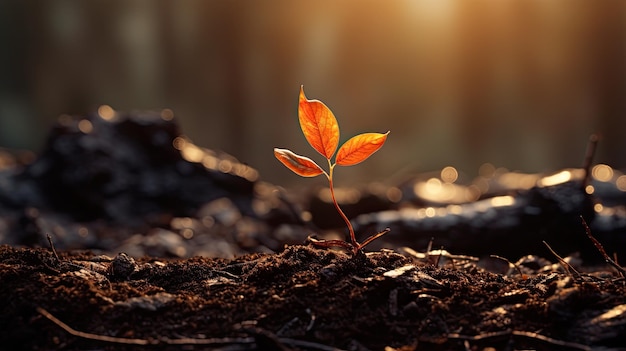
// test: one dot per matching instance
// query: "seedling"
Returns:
(321, 130)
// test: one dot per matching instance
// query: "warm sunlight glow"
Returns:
(179, 143)
(472, 193)
(432, 186)
(500, 201)
(430, 212)
(434, 10)
(167, 114)
(85, 126)
(449, 174)
(602, 172)
(106, 112)
(621, 182)
(555, 179)
(343, 195)
(487, 170)
(192, 153)
(454, 209)
(610, 317)
(210, 161)
(394, 194)
(516, 180)
(598, 207)
(434, 190)
(252, 174)
(225, 166)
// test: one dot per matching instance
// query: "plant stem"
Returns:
(355, 244)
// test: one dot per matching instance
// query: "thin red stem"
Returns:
(355, 244)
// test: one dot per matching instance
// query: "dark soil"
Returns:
(158, 244)
(301, 298)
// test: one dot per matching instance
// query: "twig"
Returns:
(591, 150)
(429, 247)
(525, 334)
(600, 248)
(519, 270)
(90, 336)
(550, 340)
(432, 253)
(430, 244)
(127, 341)
(312, 321)
(374, 237)
(181, 341)
(568, 267)
(308, 345)
(287, 325)
(439, 257)
(52, 248)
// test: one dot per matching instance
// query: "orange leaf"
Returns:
(319, 125)
(359, 148)
(300, 165)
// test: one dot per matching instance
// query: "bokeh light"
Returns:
(106, 112)
(449, 174)
(85, 126)
(602, 172)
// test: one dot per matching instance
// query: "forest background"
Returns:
(519, 84)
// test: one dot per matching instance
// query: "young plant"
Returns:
(321, 130)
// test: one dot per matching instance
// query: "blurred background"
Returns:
(519, 84)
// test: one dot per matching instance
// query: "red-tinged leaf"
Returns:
(359, 148)
(319, 125)
(300, 165)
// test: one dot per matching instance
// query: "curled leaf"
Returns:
(319, 125)
(359, 148)
(300, 165)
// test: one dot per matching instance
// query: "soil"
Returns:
(146, 246)
(302, 298)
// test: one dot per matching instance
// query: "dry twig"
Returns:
(54, 251)
(90, 336)
(511, 264)
(591, 150)
(525, 334)
(600, 248)
(568, 267)
(183, 341)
